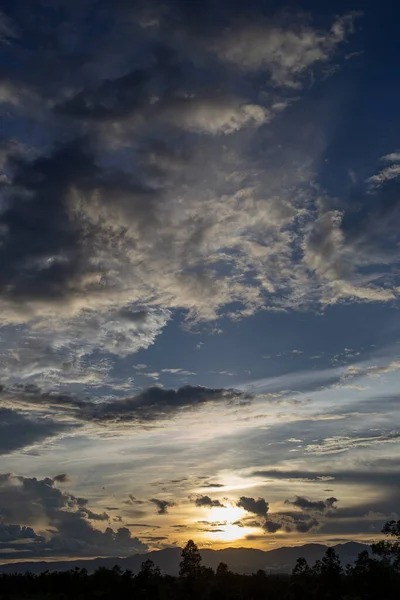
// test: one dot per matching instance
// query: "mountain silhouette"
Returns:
(239, 560)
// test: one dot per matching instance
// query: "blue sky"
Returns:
(199, 275)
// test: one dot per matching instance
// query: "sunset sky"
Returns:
(199, 274)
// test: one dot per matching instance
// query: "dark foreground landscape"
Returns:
(373, 575)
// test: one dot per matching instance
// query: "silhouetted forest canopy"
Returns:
(375, 575)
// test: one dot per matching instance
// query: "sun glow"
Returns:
(223, 520)
(229, 513)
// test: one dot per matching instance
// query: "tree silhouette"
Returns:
(301, 568)
(301, 580)
(190, 565)
(389, 550)
(222, 569)
(329, 571)
(148, 569)
(330, 564)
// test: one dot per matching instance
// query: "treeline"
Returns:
(374, 576)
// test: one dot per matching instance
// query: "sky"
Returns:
(199, 274)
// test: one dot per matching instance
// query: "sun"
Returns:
(228, 533)
(228, 513)
(224, 519)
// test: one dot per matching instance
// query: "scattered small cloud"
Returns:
(162, 505)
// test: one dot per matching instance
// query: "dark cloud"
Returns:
(152, 404)
(259, 507)
(207, 501)
(300, 522)
(291, 522)
(271, 523)
(144, 525)
(133, 500)
(162, 505)
(309, 505)
(18, 431)
(128, 97)
(213, 485)
(62, 478)
(156, 403)
(47, 255)
(374, 472)
(113, 99)
(92, 516)
(12, 533)
(288, 475)
(302, 526)
(271, 526)
(39, 504)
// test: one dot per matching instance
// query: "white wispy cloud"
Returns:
(287, 52)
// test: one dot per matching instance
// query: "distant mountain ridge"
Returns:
(239, 560)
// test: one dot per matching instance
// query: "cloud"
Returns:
(339, 444)
(259, 507)
(385, 175)
(157, 403)
(271, 526)
(9, 148)
(335, 254)
(207, 502)
(299, 523)
(12, 533)
(286, 52)
(18, 431)
(144, 200)
(62, 478)
(388, 173)
(162, 505)
(144, 525)
(392, 157)
(247, 522)
(212, 485)
(133, 500)
(60, 517)
(213, 117)
(150, 405)
(92, 516)
(271, 523)
(79, 233)
(309, 505)
(379, 473)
